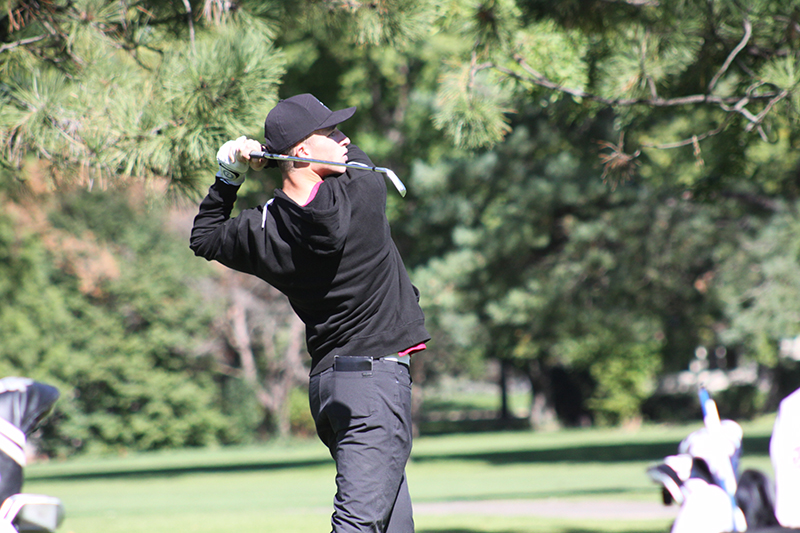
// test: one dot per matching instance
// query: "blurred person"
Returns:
(784, 451)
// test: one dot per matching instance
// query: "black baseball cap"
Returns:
(295, 118)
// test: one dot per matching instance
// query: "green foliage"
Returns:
(782, 72)
(650, 65)
(645, 60)
(241, 410)
(100, 308)
(139, 103)
(558, 53)
(396, 23)
(474, 118)
(544, 263)
(503, 117)
(492, 23)
(302, 423)
(744, 402)
(625, 377)
(760, 285)
(221, 88)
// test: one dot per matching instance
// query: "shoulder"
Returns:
(354, 153)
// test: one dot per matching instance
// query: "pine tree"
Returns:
(106, 92)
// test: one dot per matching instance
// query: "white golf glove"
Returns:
(234, 160)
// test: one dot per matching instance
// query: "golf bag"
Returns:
(704, 479)
(695, 480)
(23, 404)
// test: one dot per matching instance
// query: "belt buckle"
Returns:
(352, 363)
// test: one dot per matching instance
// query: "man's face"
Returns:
(329, 144)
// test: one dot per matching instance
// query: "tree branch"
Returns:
(637, 3)
(748, 31)
(692, 140)
(539, 79)
(188, 7)
(22, 42)
(758, 118)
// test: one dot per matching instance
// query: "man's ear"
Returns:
(301, 150)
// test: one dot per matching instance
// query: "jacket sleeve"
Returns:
(354, 153)
(218, 237)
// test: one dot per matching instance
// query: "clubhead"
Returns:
(397, 183)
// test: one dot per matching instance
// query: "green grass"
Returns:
(288, 487)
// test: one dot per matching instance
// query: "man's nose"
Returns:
(341, 138)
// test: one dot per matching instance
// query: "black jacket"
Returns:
(333, 258)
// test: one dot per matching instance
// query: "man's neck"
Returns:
(298, 184)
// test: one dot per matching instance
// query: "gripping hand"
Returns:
(234, 161)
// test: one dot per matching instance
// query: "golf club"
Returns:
(353, 164)
(726, 478)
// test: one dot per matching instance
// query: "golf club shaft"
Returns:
(282, 157)
(714, 426)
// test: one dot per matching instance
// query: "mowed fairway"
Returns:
(576, 481)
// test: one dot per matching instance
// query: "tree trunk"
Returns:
(292, 373)
(543, 413)
(504, 412)
(258, 311)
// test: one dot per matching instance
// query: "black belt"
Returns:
(357, 363)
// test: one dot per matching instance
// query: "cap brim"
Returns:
(337, 117)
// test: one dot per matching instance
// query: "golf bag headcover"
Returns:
(23, 404)
(671, 474)
(720, 450)
(704, 506)
(675, 471)
(784, 450)
(755, 495)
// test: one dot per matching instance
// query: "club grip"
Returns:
(709, 406)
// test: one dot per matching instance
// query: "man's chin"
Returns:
(334, 170)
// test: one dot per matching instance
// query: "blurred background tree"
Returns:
(97, 300)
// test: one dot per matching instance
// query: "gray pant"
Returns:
(364, 417)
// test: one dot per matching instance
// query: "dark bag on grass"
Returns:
(23, 404)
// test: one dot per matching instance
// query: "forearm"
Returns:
(211, 223)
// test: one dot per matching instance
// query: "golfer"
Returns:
(324, 241)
